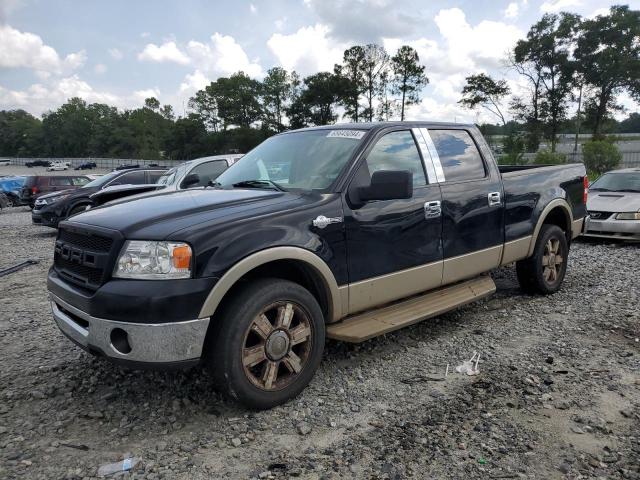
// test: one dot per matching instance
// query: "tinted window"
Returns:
(131, 178)
(59, 181)
(397, 151)
(208, 172)
(153, 177)
(458, 154)
(79, 181)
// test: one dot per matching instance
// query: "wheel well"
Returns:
(295, 271)
(558, 216)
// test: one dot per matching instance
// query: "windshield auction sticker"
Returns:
(354, 134)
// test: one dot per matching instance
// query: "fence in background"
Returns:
(103, 163)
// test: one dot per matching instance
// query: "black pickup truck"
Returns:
(344, 231)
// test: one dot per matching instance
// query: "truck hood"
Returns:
(613, 201)
(157, 217)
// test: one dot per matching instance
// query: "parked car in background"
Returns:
(126, 166)
(194, 173)
(86, 166)
(614, 205)
(11, 186)
(54, 207)
(57, 166)
(38, 163)
(5, 163)
(36, 185)
(5, 202)
(359, 229)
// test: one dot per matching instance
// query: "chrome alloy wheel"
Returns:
(552, 260)
(277, 345)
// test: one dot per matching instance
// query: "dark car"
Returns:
(86, 166)
(36, 185)
(344, 231)
(52, 208)
(125, 166)
(38, 163)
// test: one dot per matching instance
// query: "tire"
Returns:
(536, 274)
(77, 209)
(243, 352)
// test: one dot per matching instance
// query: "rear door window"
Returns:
(60, 182)
(130, 178)
(458, 154)
(153, 176)
(79, 181)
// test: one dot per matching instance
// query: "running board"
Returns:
(363, 326)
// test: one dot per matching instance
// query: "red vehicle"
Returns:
(36, 185)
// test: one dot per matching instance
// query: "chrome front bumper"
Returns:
(156, 343)
(617, 229)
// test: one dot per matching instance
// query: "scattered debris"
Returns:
(470, 367)
(17, 267)
(122, 466)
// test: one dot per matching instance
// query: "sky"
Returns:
(121, 52)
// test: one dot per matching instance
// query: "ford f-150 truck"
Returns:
(343, 231)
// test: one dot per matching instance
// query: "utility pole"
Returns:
(575, 145)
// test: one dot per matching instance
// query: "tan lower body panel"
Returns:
(387, 288)
(516, 250)
(576, 227)
(359, 328)
(471, 264)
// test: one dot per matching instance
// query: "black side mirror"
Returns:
(190, 180)
(388, 185)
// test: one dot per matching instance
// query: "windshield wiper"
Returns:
(259, 184)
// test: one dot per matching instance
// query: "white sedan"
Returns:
(57, 166)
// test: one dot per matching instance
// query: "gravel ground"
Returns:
(558, 395)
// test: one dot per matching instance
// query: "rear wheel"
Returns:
(269, 343)
(544, 271)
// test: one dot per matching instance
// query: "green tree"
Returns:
(68, 129)
(276, 93)
(600, 156)
(187, 138)
(375, 63)
(408, 77)
(352, 70)
(318, 101)
(547, 50)
(482, 90)
(608, 57)
(205, 104)
(20, 134)
(238, 100)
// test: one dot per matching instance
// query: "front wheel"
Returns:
(544, 271)
(268, 344)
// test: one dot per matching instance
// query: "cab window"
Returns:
(208, 172)
(397, 151)
(459, 156)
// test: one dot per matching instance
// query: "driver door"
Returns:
(394, 247)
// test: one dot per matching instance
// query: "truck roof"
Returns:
(379, 125)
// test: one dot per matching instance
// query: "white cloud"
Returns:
(140, 95)
(554, 6)
(193, 82)
(253, 9)
(512, 10)
(599, 11)
(309, 50)
(116, 54)
(167, 52)
(27, 50)
(100, 68)
(222, 56)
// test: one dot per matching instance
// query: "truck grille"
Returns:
(84, 257)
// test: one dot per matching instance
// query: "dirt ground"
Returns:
(558, 394)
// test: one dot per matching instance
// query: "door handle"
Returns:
(432, 209)
(494, 199)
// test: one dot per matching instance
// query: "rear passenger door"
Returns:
(472, 205)
(57, 183)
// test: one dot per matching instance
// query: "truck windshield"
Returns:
(307, 160)
(169, 177)
(617, 182)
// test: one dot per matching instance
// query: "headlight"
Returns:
(628, 216)
(50, 200)
(153, 260)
